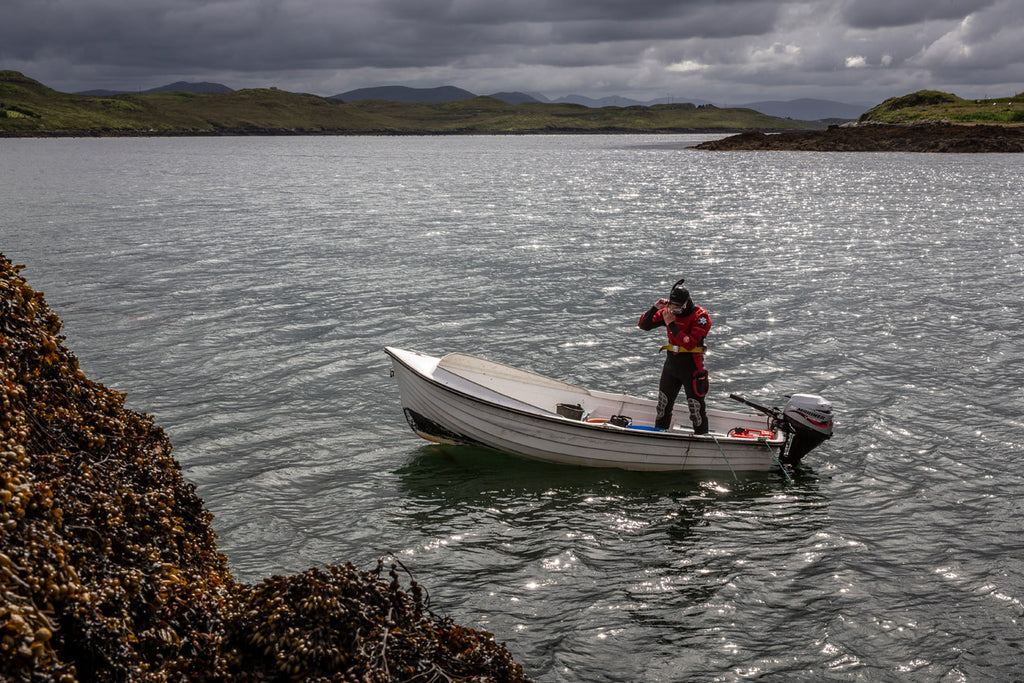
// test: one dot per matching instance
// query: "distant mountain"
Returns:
(203, 87)
(179, 86)
(807, 109)
(515, 97)
(799, 110)
(401, 93)
(615, 101)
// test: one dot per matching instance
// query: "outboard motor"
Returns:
(806, 417)
(809, 419)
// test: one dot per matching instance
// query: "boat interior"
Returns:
(521, 388)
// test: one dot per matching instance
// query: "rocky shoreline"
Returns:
(109, 566)
(932, 137)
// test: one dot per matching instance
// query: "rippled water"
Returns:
(242, 289)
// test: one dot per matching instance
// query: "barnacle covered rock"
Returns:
(364, 628)
(108, 561)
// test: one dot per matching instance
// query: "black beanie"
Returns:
(680, 295)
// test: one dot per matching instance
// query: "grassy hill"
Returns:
(930, 106)
(28, 107)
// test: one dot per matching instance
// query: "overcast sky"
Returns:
(725, 51)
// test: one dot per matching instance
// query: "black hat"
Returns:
(680, 295)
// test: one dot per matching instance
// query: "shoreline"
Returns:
(932, 137)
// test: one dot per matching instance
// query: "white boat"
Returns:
(464, 399)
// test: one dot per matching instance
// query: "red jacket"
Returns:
(687, 331)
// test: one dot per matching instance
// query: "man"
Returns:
(687, 325)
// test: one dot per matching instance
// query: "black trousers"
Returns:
(680, 372)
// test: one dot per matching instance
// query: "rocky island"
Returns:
(922, 137)
(109, 565)
(924, 121)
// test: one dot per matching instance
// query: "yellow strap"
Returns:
(679, 349)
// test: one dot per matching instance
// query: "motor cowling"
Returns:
(809, 419)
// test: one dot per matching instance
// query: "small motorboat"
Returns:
(464, 399)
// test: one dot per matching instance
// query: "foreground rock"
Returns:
(108, 564)
(936, 137)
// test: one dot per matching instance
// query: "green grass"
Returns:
(27, 106)
(932, 105)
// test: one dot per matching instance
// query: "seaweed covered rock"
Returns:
(877, 137)
(109, 568)
(109, 562)
(339, 619)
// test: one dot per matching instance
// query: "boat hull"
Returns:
(454, 404)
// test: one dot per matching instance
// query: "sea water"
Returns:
(241, 290)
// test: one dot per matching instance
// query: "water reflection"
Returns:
(464, 468)
(579, 558)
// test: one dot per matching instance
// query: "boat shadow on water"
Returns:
(448, 488)
(463, 473)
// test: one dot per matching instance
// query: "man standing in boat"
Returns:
(687, 325)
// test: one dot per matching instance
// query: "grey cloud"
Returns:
(881, 13)
(548, 11)
(410, 32)
(641, 48)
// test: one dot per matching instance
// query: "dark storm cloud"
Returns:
(883, 13)
(268, 33)
(643, 48)
(548, 11)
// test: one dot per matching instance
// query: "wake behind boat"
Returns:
(464, 399)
